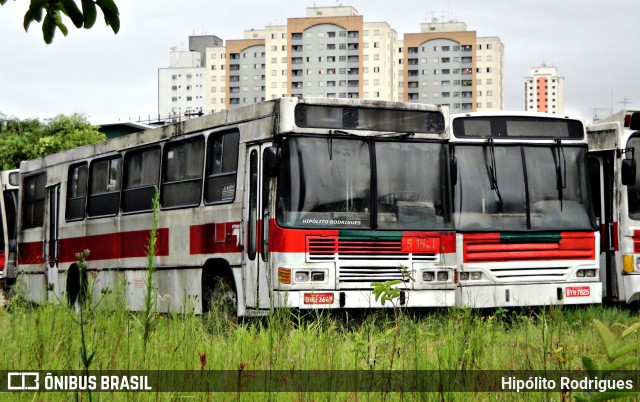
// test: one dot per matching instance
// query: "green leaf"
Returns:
(606, 336)
(631, 329)
(70, 8)
(48, 29)
(89, 12)
(111, 14)
(57, 19)
(34, 13)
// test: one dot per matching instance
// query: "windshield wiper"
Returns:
(492, 172)
(560, 163)
(395, 135)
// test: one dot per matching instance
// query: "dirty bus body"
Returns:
(614, 151)
(525, 228)
(300, 203)
(8, 218)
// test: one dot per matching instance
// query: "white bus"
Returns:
(299, 203)
(526, 233)
(8, 226)
(612, 163)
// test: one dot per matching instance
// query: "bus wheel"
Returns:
(220, 298)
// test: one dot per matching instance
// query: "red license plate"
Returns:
(318, 298)
(420, 245)
(577, 291)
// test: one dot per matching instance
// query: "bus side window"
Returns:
(222, 167)
(33, 201)
(141, 175)
(104, 187)
(76, 191)
(182, 173)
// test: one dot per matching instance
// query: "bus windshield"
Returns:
(362, 183)
(520, 187)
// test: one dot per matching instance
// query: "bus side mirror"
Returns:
(271, 161)
(628, 173)
(14, 178)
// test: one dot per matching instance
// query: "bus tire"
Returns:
(220, 298)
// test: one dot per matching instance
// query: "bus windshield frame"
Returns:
(355, 182)
(521, 187)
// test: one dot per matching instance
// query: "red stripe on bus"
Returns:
(110, 246)
(212, 238)
(487, 247)
(285, 240)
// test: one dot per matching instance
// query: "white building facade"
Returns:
(544, 90)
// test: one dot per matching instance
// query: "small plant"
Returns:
(621, 353)
(149, 312)
(86, 357)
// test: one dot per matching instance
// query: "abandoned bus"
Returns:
(8, 218)
(291, 202)
(525, 227)
(616, 197)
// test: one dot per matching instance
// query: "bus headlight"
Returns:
(302, 276)
(428, 276)
(473, 275)
(443, 276)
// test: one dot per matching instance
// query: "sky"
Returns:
(595, 46)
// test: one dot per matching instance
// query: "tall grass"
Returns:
(46, 338)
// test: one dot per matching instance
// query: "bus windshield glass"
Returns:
(362, 183)
(520, 187)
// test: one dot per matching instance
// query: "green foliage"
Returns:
(150, 308)
(622, 354)
(29, 139)
(53, 11)
(385, 292)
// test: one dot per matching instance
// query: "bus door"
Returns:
(601, 165)
(255, 272)
(51, 241)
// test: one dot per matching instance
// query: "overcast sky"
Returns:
(594, 44)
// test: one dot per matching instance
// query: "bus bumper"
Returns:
(542, 294)
(362, 299)
(631, 286)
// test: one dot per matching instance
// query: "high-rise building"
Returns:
(181, 85)
(333, 52)
(447, 64)
(544, 90)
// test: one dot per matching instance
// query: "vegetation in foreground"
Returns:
(48, 338)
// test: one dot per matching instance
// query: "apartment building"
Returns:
(447, 64)
(544, 90)
(181, 86)
(333, 52)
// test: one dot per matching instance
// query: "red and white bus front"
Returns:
(352, 210)
(526, 232)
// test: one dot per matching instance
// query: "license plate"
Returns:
(318, 298)
(420, 245)
(577, 291)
